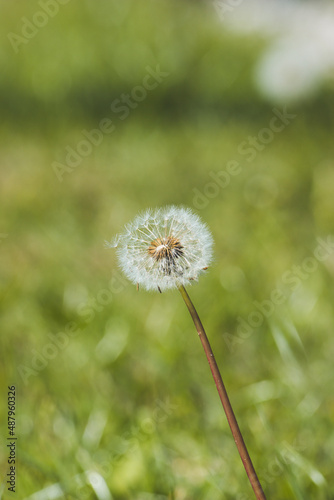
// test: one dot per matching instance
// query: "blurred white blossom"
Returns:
(300, 56)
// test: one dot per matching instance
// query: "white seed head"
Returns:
(164, 248)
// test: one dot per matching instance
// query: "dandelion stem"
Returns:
(239, 441)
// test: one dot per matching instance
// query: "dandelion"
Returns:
(164, 248)
(169, 248)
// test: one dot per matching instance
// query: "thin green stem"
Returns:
(239, 441)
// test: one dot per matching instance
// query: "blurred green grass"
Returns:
(130, 397)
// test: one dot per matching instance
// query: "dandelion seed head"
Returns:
(164, 248)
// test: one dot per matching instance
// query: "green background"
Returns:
(114, 396)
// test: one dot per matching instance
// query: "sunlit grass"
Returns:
(129, 397)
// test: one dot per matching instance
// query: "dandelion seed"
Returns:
(168, 248)
(164, 248)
